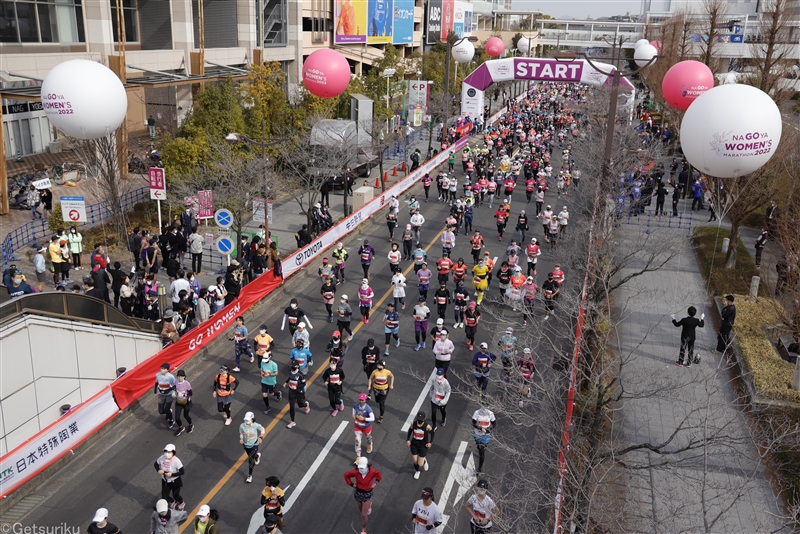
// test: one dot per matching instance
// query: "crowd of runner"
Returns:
(527, 150)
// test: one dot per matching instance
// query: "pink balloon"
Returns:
(657, 44)
(326, 73)
(495, 47)
(685, 81)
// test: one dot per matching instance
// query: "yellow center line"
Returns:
(235, 467)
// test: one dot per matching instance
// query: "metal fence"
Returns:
(32, 232)
(651, 220)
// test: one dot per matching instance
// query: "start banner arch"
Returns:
(529, 68)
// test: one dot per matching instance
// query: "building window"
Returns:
(41, 21)
(131, 14)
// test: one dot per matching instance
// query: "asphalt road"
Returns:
(117, 473)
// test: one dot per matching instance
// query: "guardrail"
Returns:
(31, 232)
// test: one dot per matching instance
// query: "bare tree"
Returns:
(308, 159)
(235, 176)
(775, 49)
(102, 158)
(710, 26)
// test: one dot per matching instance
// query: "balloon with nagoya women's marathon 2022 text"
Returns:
(326, 73)
(84, 99)
(495, 47)
(731, 130)
(685, 81)
(463, 52)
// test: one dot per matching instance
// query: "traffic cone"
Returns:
(394, 171)
(386, 176)
(377, 182)
(403, 166)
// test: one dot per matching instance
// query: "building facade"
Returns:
(171, 45)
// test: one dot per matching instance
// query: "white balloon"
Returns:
(731, 130)
(84, 99)
(463, 52)
(524, 45)
(644, 54)
(639, 43)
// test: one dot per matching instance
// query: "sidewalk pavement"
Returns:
(287, 220)
(660, 396)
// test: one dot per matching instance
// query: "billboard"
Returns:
(380, 14)
(448, 12)
(351, 21)
(433, 33)
(458, 18)
(403, 27)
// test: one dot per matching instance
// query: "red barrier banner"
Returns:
(141, 379)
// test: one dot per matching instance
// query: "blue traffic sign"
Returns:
(223, 218)
(224, 244)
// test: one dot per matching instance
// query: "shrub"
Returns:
(722, 281)
(771, 374)
(56, 219)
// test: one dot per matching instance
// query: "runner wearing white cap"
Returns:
(250, 436)
(206, 521)
(165, 520)
(170, 467)
(100, 524)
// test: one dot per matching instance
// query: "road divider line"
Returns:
(313, 469)
(417, 405)
(279, 417)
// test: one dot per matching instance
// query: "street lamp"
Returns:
(569, 55)
(234, 138)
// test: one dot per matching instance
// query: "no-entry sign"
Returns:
(73, 209)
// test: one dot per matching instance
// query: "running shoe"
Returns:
(369, 449)
(258, 458)
(265, 412)
(425, 467)
(190, 430)
(236, 369)
(416, 475)
(228, 421)
(341, 405)
(416, 349)
(179, 431)
(170, 424)
(280, 396)
(291, 424)
(249, 479)
(334, 412)
(252, 359)
(397, 342)
(307, 408)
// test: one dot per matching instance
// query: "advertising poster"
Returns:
(433, 32)
(403, 28)
(380, 15)
(351, 21)
(458, 18)
(448, 12)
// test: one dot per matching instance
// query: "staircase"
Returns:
(275, 23)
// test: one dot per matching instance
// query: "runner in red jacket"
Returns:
(364, 479)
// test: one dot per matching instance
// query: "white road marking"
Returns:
(258, 517)
(464, 477)
(417, 405)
